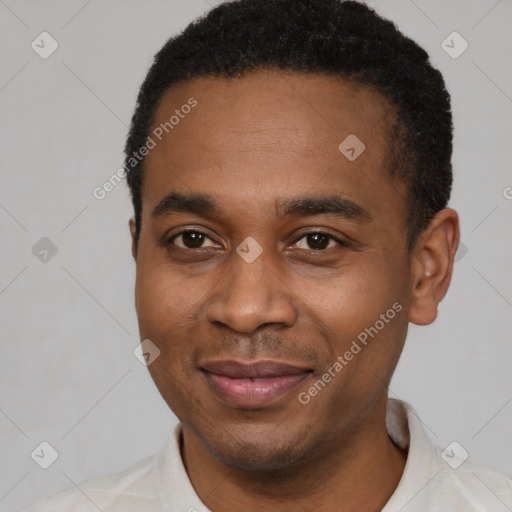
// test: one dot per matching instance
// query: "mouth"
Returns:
(252, 385)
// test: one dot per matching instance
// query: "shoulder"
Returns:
(474, 486)
(124, 491)
(437, 479)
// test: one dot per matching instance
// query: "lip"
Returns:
(252, 385)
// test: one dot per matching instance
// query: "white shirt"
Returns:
(429, 483)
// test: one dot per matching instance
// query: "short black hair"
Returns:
(346, 39)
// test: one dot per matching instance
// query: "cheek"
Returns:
(176, 389)
(164, 309)
(365, 323)
(353, 297)
(363, 315)
(169, 310)
(162, 297)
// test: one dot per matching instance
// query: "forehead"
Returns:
(280, 106)
(268, 134)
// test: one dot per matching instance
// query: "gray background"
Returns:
(68, 328)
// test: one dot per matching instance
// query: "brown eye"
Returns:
(190, 239)
(318, 241)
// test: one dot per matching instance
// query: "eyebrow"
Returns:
(205, 205)
(335, 205)
(175, 202)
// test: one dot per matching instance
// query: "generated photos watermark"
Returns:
(305, 397)
(152, 140)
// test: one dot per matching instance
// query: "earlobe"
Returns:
(432, 266)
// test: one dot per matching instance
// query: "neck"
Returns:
(359, 472)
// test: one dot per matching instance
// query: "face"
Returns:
(266, 256)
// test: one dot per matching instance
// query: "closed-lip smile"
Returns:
(252, 384)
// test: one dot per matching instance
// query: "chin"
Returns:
(262, 454)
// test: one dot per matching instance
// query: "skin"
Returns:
(251, 142)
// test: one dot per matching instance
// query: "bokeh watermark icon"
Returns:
(454, 455)
(44, 250)
(249, 250)
(146, 352)
(44, 455)
(351, 147)
(44, 45)
(454, 45)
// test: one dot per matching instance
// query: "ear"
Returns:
(133, 233)
(432, 265)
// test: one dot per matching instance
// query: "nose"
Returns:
(251, 295)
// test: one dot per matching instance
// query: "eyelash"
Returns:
(342, 243)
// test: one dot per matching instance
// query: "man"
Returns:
(290, 167)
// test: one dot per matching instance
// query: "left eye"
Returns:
(319, 241)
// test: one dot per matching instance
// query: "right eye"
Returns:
(190, 239)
